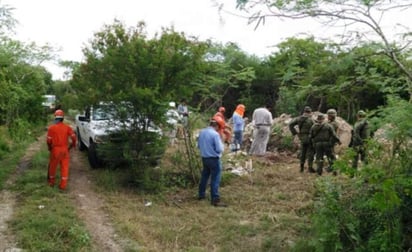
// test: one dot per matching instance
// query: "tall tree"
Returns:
(22, 80)
(351, 14)
(323, 75)
(226, 77)
(301, 66)
(7, 21)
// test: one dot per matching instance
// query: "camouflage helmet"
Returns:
(361, 113)
(320, 117)
(307, 109)
(331, 112)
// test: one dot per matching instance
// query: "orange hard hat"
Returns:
(58, 114)
(222, 109)
(219, 121)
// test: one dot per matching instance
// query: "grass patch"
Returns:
(8, 165)
(268, 211)
(44, 219)
(10, 154)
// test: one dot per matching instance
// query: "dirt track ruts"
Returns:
(89, 205)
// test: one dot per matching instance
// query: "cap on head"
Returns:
(222, 109)
(58, 114)
(361, 113)
(307, 109)
(331, 112)
(320, 118)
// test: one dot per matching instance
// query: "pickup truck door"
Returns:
(84, 127)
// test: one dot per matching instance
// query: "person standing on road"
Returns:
(59, 146)
(360, 135)
(322, 135)
(211, 148)
(238, 126)
(304, 123)
(262, 121)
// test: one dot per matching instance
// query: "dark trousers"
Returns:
(211, 168)
(323, 149)
(360, 152)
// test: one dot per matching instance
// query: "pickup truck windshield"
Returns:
(103, 113)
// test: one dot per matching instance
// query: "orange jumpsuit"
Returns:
(58, 142)
(225, 130)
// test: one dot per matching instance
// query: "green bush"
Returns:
(4, 148)
(19, 129)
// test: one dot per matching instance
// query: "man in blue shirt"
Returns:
(211, 148)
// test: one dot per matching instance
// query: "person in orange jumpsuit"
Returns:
(59, 146)
(221, 126)
(221, 112)
(226, 130)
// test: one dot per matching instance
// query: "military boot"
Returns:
(311, 170)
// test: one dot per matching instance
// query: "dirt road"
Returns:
(89, 205)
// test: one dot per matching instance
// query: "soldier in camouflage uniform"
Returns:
(304, 123)
(322, 136)
(360, 134)
(332, 121)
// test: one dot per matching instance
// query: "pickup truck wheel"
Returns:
(80, 144)
(92, 156)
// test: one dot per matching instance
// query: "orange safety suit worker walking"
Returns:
(58, 143)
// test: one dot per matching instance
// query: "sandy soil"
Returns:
(90, 206)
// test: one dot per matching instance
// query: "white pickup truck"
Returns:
(97, 127)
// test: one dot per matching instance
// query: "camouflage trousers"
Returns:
(306, 153)
(360, 153)
(324, 149)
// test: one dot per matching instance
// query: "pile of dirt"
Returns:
(344, 133)
(384, 137)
